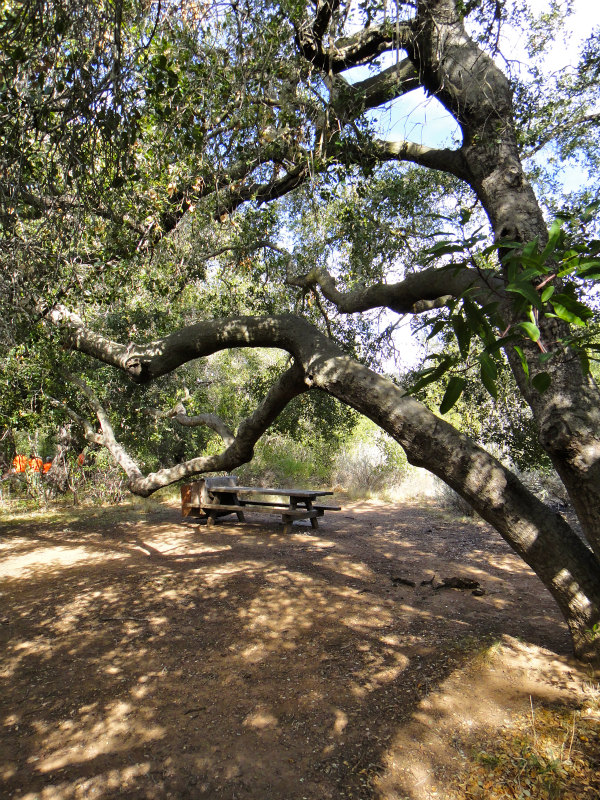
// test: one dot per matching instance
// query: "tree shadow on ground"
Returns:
(151, 659)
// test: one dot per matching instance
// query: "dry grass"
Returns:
(551, 752)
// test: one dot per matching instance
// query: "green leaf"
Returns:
(590, 211)
(523, 360)
(526, 290)
(547, 293)
(554, 235)
(431, 375)
(478, 322)
(465, 215)
(589, 270)
(439, 325)
(488, 365)
(531, 330)
(541, 382)
(462, 331)
(570, 309)
(489, 383)
(452, 393)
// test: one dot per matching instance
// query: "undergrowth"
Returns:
(549, 753)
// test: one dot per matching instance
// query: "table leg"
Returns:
(309, 507)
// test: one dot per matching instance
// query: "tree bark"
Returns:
(476, 92)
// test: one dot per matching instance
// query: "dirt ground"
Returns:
(147, 658)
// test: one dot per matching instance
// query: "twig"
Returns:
(572, 737)
(533, 721)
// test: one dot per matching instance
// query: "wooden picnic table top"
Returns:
(300, 493)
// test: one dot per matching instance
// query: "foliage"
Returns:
(369, 462)
(556, 281)
(549, 753)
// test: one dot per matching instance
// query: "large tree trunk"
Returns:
(478, 95)
(540, 536)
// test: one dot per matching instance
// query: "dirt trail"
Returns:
(144, 658)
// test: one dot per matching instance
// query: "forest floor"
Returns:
(142, 657)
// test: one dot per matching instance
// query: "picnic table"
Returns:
(217, 497)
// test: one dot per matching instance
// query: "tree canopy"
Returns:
(183, 178)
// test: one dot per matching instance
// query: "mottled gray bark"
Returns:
(478, 95)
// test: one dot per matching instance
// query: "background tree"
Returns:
(160, 149)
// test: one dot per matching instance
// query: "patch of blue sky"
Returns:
(418, 118)
(413, 117)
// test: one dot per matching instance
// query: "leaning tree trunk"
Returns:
(540, 536)
(478, 95)
(568, 569)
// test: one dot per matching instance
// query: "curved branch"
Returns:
(351, 51)
(179, 414)
(107, 438)
(239, 448)
(389, 84)
(415, 294)
(91, 436)
(144, 363)
(539, 535)
(442, 159)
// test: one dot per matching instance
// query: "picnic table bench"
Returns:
(217, 497)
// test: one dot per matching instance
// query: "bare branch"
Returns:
(108, 439)
(422, 291)
(179, 414)
(353, 50)
(390, 83)
(239, 448)
(92, 436)
(325, 10)
(445, 160)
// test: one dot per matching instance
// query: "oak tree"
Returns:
(149, 147)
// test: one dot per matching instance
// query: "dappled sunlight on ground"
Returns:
(147, 658)
(431, 749)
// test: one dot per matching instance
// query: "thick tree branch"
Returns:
(444, 160)
(351, 51)
(325, 10)
(351, 99)
(417, 293)
(390, 83)
(143, 363)
(540, 536)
